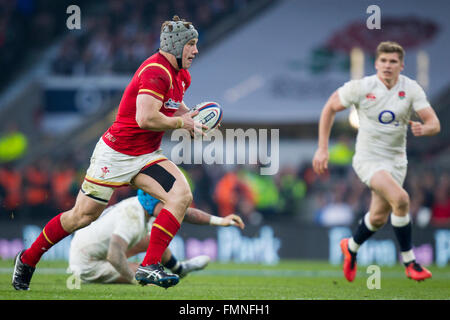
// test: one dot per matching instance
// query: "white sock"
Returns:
(398, 221)
(408, 256)
(368, 224)
(352, 245)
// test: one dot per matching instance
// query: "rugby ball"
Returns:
(209, 114)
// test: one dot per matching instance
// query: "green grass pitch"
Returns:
(288, 280)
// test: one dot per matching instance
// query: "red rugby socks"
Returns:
(52, 233)
(164, 229)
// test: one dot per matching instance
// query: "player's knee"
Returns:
(186, 197)
(82, 217)
(190, 198)
(182, 195)
(377, 221)
(401, 201)
(84, 220)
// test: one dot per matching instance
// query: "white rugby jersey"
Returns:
(383, 114)
(125, 219)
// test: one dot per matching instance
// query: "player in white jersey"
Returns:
(385, 103)
(99, 253)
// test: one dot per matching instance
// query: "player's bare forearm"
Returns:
(332, 106)
(431, 129)
(120, 263)
(197, 216)
(118, 259)
(430, 126)
(159, 122)
(192, 215)
(325, 124)
(426, 129)
(200, 217)
(139, 247)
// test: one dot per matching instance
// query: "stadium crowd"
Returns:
(49, 186)
(114, 37)
(122, 34)
(27, 26)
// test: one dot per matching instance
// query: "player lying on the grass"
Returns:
(385, 102)
(99, 252)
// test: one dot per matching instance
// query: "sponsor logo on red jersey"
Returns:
(110, 137)
(170, 104)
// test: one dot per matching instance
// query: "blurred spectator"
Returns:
(13, 144)
(441, 208)
(37, 188)
(11, 181)
(2, 200)
(43, 21)
(264, 190)
(292, 191)
(68, 56)
(427, 183)
(233, 195)
(12, 33)
(412, 185)
(337, 212)
(64, 186)
(203, 193)
(358, 196)
(341, 155)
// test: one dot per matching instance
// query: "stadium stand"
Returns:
(118, 36)
(20, 43)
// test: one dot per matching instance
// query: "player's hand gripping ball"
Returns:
(209, 114)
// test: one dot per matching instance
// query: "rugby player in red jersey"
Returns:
(129, 153)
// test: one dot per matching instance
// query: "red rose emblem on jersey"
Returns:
(370, 96)
(401, 94)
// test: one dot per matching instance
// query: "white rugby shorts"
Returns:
(110, 169)
(366, 168)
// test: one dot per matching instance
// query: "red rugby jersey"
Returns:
(158, 78)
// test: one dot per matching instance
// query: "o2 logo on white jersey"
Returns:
(387, 117)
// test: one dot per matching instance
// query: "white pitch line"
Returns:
(258, 272)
